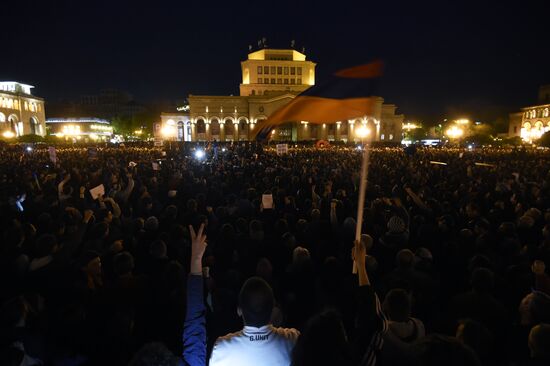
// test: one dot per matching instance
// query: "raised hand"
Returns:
(198, 246)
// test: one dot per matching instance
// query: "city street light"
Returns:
(8, 134)
(362, 132)
(168, 131)
(454, 132)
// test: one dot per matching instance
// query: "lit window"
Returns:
(10, 103)
(279, 70)
(391, 136)
(299, 70)
(15, 104)
(259, 69)
(272, 81)
(279, 81)
(272, 70)
(2, 117)
(286, 70)
(292, 81)
(292, 71)
(299, 81)
(266, 69)
(26, 106)
(382, 137)
(546, 112)
(286, 81)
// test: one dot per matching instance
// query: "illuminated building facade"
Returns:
(21, 113)
(532, 121)
(270, 79)
(86, 129)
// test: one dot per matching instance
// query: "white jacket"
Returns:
(253, 346)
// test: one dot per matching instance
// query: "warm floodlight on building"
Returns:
(454, 132)
(168, 131)
(362, 132)
(8, 134)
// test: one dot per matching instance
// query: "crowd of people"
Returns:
(136, 255)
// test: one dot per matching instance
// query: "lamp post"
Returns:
(454, 132)
(362, 132)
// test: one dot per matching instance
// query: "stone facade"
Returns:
(234, 118)
(21, 113)
(535, 121)
(532, 121)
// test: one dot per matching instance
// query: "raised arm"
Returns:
(371, 322)
(61, 185)
(194, 329)
(129, 187)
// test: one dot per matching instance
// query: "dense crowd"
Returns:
(244, 257)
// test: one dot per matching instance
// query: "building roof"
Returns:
(78, 120)
(15, 87)
(266, 53)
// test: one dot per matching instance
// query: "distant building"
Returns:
(87, 129)
(532, 121)
(270, 79)
(21, 113)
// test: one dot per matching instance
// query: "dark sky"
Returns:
(442, 59)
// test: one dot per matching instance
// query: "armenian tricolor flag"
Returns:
(347, 94)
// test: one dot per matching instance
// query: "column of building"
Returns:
(193, 123)
(222, 130)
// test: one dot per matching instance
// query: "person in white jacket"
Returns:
(259, 342)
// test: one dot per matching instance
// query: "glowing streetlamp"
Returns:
(8, 134)
(410, 126)
(168, 131)
(362, 132)
(454, 132)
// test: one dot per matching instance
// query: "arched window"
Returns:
(14, 125)
(229, 130)
(215, 127)
(33, 122)
(201, 127)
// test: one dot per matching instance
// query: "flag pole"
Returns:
(361, 200)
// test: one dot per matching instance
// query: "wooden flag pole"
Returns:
(361, 200)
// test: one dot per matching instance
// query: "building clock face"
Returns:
(261, 109)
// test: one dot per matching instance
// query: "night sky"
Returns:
(443, 59)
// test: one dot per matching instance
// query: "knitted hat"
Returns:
(151, 224)
(396, 225)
